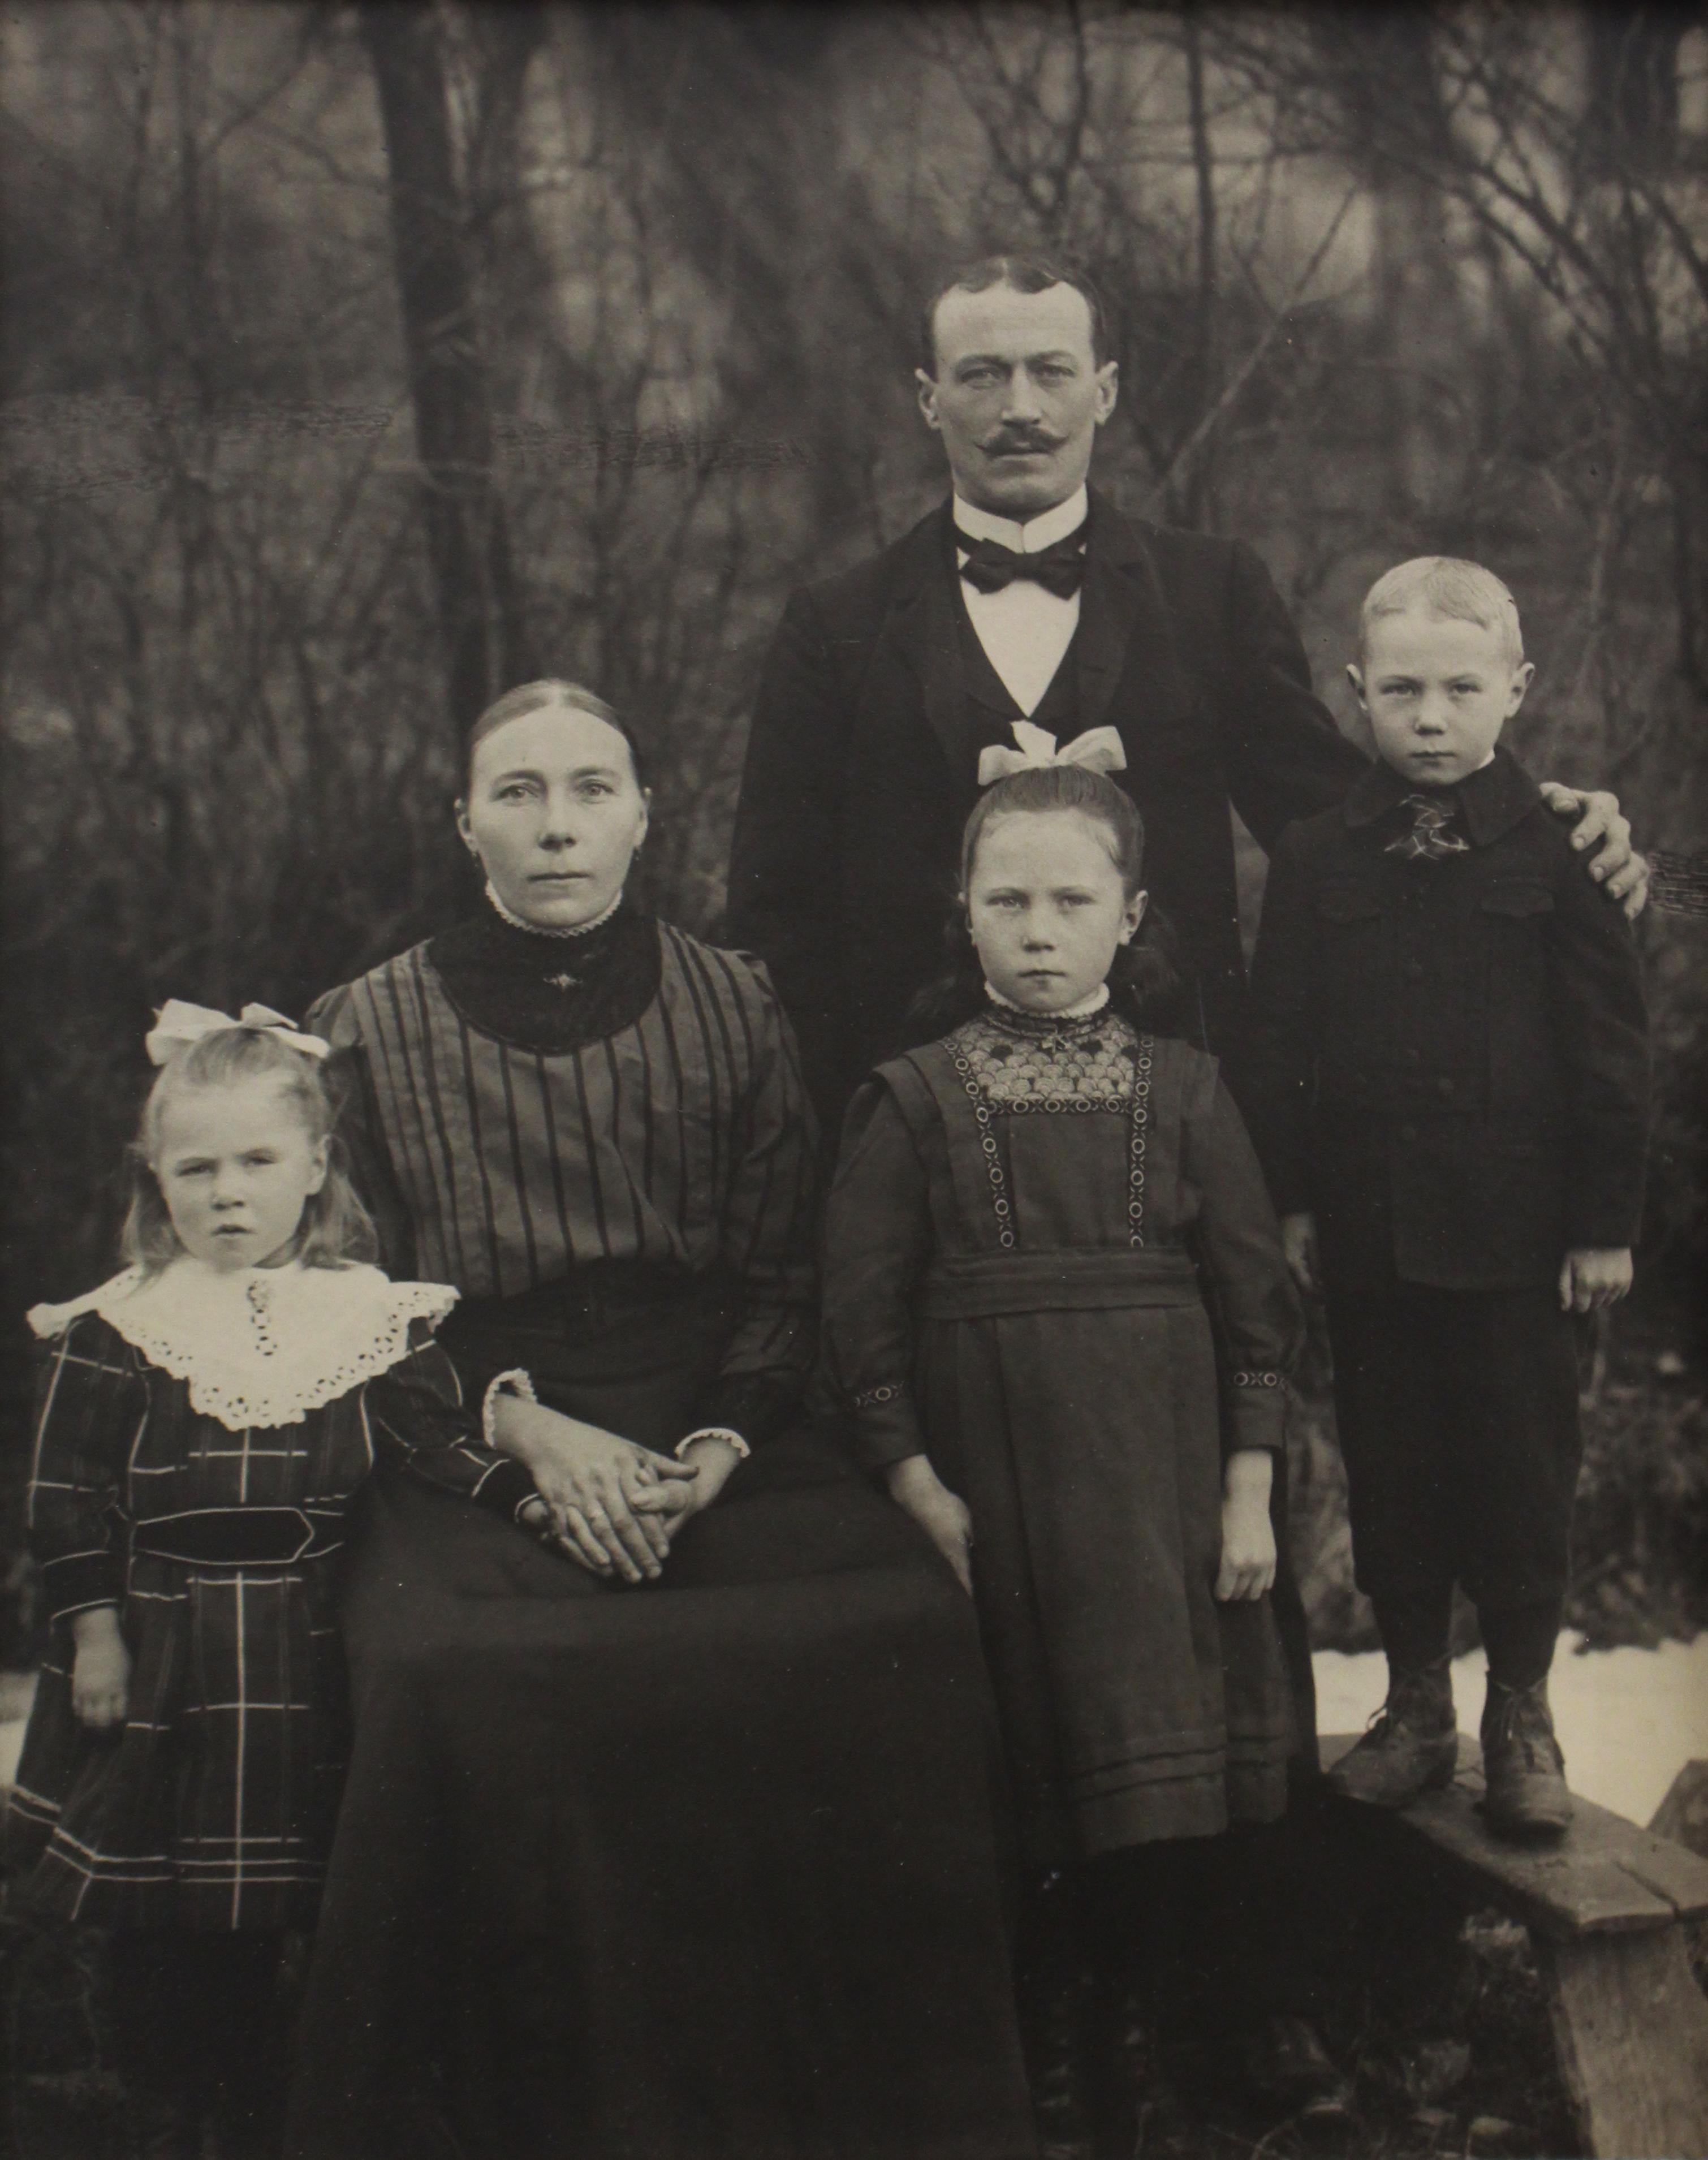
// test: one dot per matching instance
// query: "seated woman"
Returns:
(667, 1835)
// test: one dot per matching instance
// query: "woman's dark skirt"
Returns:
(701, 1868)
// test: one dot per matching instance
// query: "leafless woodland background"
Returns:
(360, 360)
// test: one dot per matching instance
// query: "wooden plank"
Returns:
(1630, 2030)
(1605, 1875)
(1670, 1870)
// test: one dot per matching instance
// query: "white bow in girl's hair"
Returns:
(177, 1025)
(1098, 750)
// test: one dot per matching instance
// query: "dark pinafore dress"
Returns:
(1052, 1265)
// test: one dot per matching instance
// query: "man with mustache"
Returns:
(1026, 598)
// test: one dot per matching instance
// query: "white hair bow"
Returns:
(177, 1025)
(1098, 750)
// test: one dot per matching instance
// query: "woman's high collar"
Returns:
(547, 993)
(549, 930)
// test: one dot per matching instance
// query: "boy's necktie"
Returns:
(1059, 568)
(1431, 838)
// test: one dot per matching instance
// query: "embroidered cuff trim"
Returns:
(1265, 1379)
(516, 1382)
(712, 1432)
(869, 1398)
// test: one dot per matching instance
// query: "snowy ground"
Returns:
(1628, 1720)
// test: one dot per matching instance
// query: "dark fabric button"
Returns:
(1410, 1056)
(1444, 1086)
(1408, 1132)
(1414, 971)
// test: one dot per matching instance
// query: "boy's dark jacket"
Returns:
(1449, 1060)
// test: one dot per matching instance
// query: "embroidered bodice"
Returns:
(1106, 1199)
(1028, 1062)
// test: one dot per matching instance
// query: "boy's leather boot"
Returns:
(1412, 1747)
(1522, 1765)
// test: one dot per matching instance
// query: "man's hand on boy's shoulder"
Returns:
(1591, 1276)
(1600, 827)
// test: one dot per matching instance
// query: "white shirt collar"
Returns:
(1043, 530)
(1095, 1003)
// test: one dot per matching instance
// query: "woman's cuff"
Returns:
(516, 1382)
(712, 1432)
(758, 1406)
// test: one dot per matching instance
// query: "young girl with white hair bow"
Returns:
(206, 1420)
(1056, 1310)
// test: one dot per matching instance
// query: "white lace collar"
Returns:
(260, 1346)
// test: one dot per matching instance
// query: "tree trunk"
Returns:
(1382, 68)
(468, 544)
(1201, 494)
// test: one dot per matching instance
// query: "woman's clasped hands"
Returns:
(607, 1503)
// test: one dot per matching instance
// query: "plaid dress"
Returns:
(211, 1807)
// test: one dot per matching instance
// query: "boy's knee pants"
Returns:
(1458, 1423)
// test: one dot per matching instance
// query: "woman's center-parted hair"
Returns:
(1449, 587)
(335, 1227)
(540, 697)
(1061, 787)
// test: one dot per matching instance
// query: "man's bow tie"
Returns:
(990, 567)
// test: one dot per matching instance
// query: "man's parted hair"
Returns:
(1021, 272)
(1445, 585)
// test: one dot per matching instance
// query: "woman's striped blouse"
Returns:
(685, 1137)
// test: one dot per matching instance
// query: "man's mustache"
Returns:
(1011, 440)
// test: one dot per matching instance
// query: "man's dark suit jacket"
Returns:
(862, 767)
(1448, 1061)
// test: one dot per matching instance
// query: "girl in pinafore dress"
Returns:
(1056, 1307)
(207, 1418)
